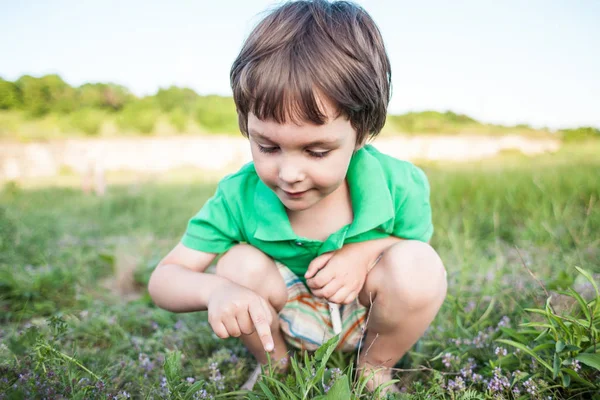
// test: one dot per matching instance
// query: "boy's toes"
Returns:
(249, 384)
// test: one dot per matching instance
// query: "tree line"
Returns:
(86, 108)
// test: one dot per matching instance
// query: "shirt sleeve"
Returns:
(413, 209)
(214, 228)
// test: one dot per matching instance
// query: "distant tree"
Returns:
(217, 114)
(10, 96)
(175, 97)
(104, 95)
(581, 133)
(139, 116)
(36, 97)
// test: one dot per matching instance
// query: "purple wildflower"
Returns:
(179, 325)
(145, 362)
(500, 351)
(456, 385)
(469, 307)
(499, 382)
(189, 379)
(202, 394)
(504, 321)
(531, 387)
(448, 360)
(216, 377)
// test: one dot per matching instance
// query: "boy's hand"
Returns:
(338, 276)
(234, 310)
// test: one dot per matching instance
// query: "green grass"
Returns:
(77, 322)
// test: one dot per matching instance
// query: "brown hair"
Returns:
(310, 48)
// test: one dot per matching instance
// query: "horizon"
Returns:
(507, 64)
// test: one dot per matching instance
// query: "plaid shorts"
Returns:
(306, 320)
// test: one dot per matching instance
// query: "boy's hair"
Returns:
(309, 49)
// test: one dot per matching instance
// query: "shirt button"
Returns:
(299, 243)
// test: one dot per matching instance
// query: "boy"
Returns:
(318, 217)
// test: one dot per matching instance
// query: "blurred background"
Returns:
(115, 70)
(116, 121)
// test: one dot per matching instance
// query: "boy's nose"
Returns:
(290, 173)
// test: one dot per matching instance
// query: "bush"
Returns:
(87, 120)
(10, 97)
(140, 116)
(179, 119)
(217, 114)
(583, 133)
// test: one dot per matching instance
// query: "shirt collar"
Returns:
(271, 218)
(372, 203)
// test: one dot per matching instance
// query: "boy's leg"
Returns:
(407, 287)
(249, 267)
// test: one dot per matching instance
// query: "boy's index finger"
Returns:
(317, 264)
(262, 326)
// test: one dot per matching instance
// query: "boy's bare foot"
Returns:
(252, 379)
(377, 377)
(281, 366)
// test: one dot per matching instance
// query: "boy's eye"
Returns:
(318, 154)
(267, 150)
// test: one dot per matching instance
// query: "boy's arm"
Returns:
(179, 283)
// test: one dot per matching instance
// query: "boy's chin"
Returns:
(298, 205)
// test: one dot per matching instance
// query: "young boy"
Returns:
(318, 217)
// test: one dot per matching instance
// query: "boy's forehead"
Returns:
(333, 131)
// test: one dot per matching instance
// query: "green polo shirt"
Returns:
(389, 197)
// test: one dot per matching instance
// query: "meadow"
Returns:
(520, 238)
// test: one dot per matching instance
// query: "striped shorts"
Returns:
(306, 320)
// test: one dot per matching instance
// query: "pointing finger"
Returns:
(263, 329)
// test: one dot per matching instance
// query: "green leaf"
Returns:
(172, 369)
(340, 389)
(266, 391)
(589, 278)
(282, 388)
(566, 380)
(577, 378)
(560, 345)
(591, 360)
(555, 366)
(536, 311)
(189, 394)
(572, 347)
(526, 350)
(582, 303)
(324, 352)
(518, 336)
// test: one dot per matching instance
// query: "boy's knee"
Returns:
(414, 273)
(249, 267)
(243, 261)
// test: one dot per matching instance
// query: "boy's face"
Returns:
(305, 163)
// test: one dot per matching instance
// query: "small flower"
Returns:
(530, 386)
(216, 377)
(448, 359)
(504, 321)
(179, 325)
(189, 379)
(456, 385)
(500, 351)
(202, 394)
(576, 366)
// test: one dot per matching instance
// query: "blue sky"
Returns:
(509, 62)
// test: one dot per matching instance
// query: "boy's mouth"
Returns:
(294, 195)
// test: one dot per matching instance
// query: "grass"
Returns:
(77, 322)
